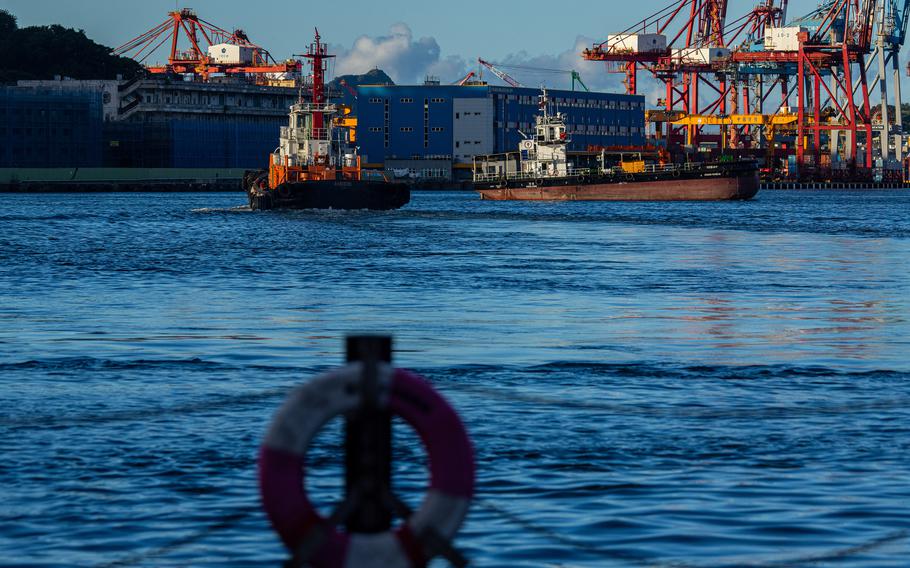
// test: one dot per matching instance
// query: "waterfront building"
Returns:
(433, 131)
(171, 123)
(45, 128)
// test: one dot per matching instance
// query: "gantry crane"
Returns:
(712, 66)
(891, 17)
(240, 56)
(684, 45)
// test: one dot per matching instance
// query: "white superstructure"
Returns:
(544, 154)
(304, 143)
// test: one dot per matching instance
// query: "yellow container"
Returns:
(634, 167)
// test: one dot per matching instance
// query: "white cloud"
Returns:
(408, 60)
(403, 58)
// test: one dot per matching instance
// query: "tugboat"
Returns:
(541, 171)
(313, 166)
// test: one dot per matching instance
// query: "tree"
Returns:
(42, 52)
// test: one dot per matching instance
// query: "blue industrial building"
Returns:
(150, 123)
(41, 128)
(433, 131)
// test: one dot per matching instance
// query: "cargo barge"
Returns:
(540, 171)
(314, 166)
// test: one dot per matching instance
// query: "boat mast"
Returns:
(543, 104)
(316, 55)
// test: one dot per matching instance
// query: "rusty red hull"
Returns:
(697, 189)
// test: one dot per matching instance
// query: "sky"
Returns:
(408, 39)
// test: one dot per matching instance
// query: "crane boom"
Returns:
(461, 82)
(576, 77)
(349, 88)
(499, 73)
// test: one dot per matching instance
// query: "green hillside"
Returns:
(41, 52)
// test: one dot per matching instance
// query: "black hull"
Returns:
(332, 194)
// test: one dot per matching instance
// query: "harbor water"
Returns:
(645, 384)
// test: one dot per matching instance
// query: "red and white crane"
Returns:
(201, 48)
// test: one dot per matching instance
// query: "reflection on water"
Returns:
(708, 384)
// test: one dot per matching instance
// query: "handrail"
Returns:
(579, 172)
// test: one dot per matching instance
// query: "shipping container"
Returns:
(637, 43)
(701, 55)
(231, 54)
(783, 39)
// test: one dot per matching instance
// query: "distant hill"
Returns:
(372, 77)
(41, 52)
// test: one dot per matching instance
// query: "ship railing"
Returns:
(324, 108)
(519, 176)
(657, 168)
(305, 133)
(581, 172)
(320, 134)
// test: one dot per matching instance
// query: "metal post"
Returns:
(368, 443)
(885, 134)
(801, 98)
(816, 117)
(898, 104)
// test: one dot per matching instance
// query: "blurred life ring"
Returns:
(307, 409)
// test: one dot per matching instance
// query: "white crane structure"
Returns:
(892, 17)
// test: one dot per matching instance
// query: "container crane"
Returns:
(211, 49)
(712, 66)
(683, 45)
(891, 16)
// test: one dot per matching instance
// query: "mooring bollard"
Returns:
(368, 442)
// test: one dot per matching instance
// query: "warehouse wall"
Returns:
(433, 121)
(43, 129)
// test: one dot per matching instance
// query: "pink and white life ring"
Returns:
(307, 409)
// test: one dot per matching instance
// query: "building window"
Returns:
(438, 129)
(406, 100)
(375, 129)
(406, 129)
(437, 100)
(375, 100)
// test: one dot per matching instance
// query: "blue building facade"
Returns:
(153, 123)
(403, 125)
(46, 128)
